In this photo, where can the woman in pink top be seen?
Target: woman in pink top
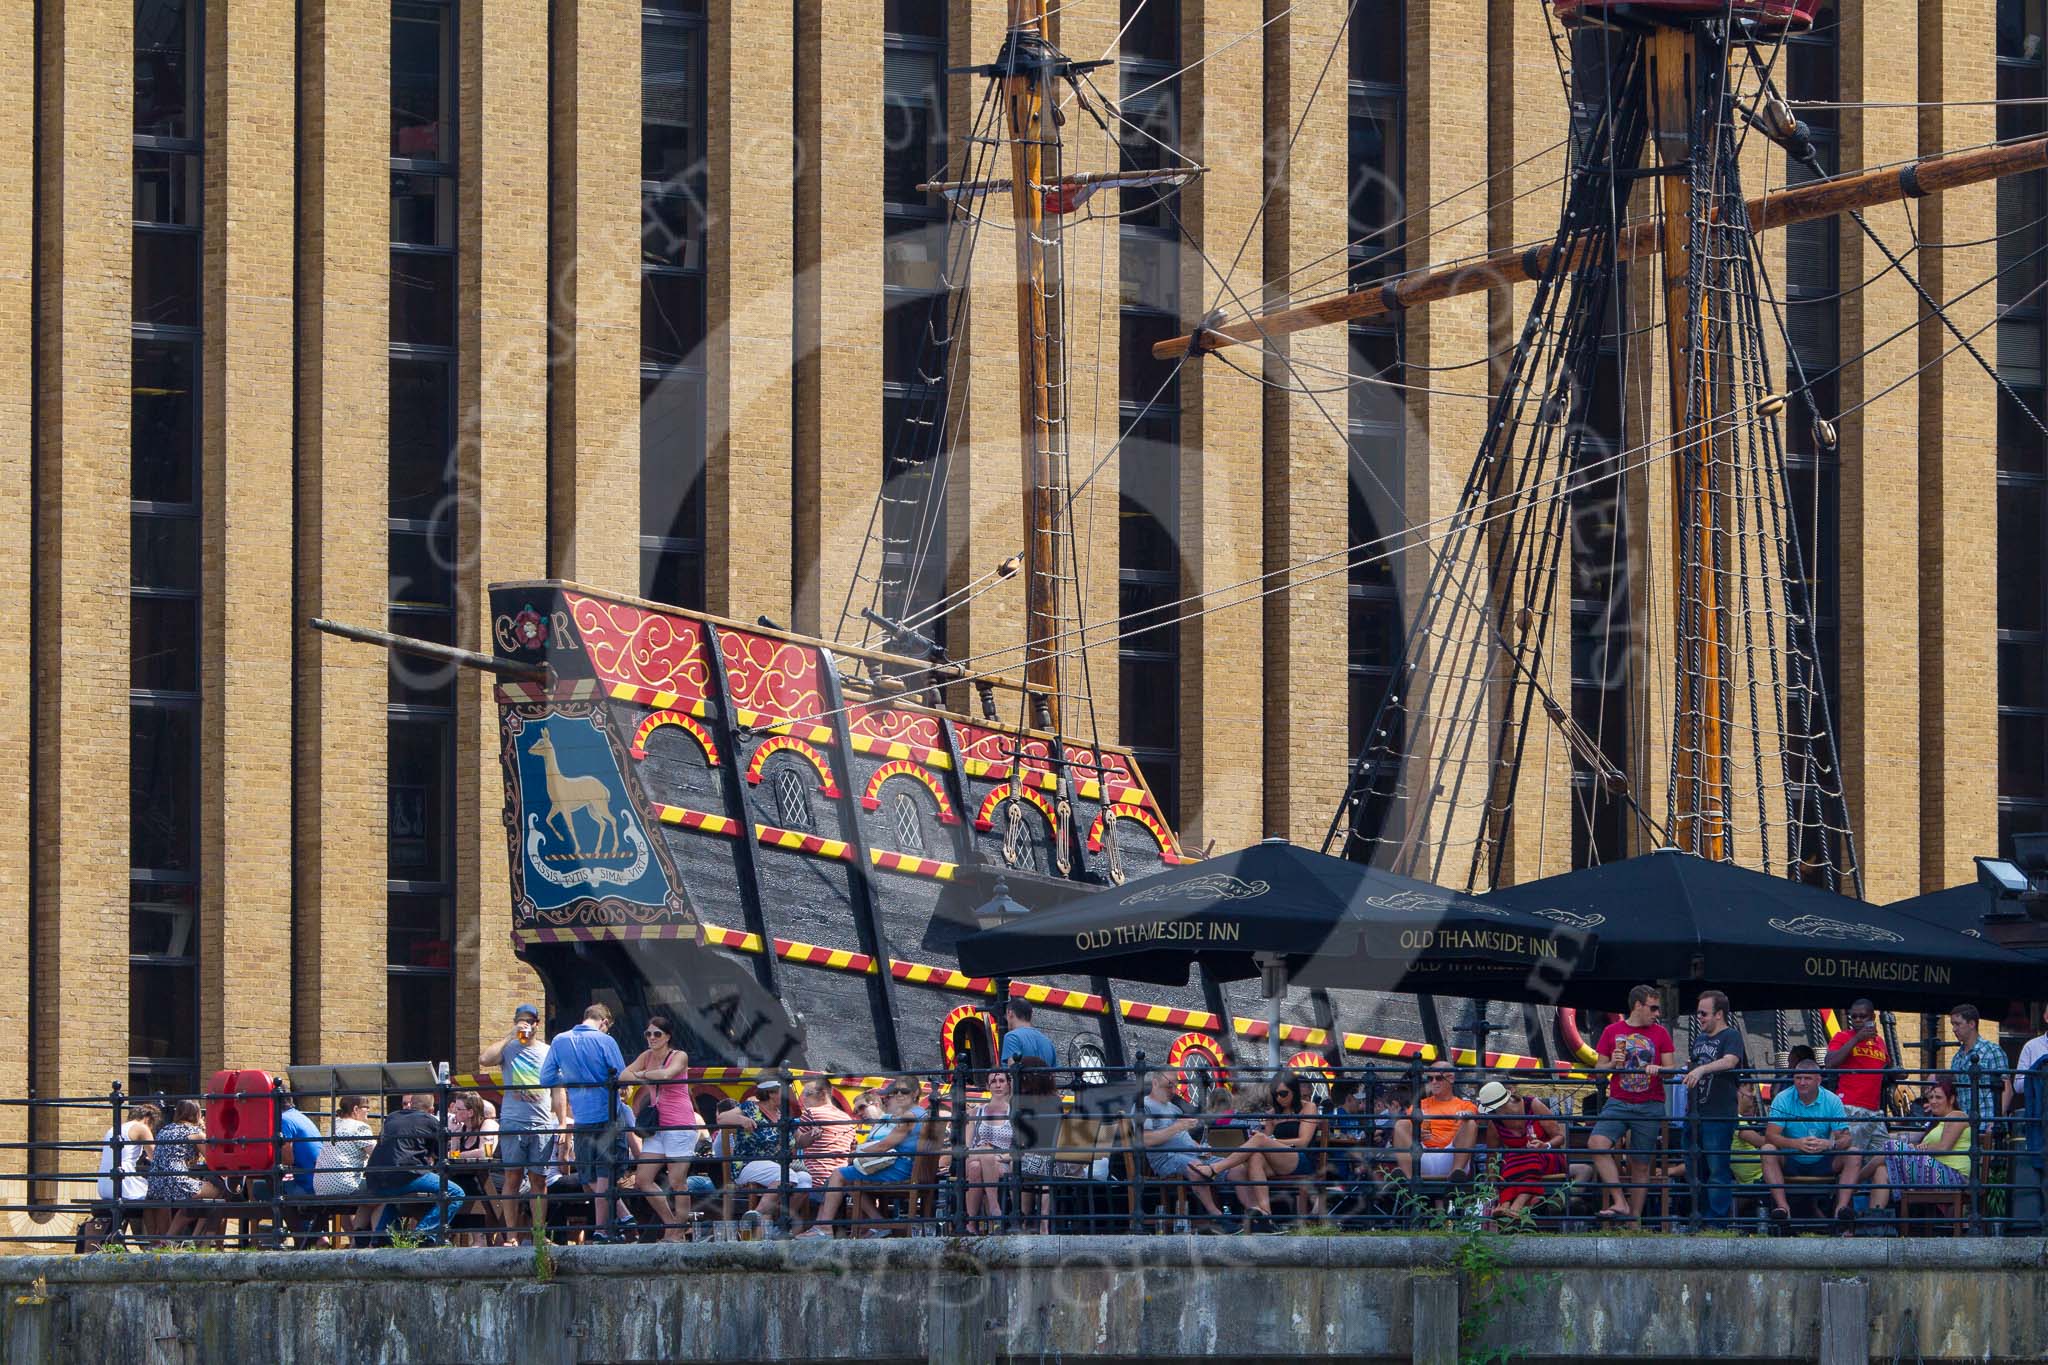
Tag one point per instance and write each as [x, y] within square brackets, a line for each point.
[662, 1069]
[826, 1133]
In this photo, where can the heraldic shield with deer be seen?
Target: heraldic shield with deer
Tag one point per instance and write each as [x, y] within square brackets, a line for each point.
[581, 852]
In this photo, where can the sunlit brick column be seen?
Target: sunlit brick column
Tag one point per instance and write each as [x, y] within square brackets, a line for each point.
[17, 427]
[1958, 464]
[1447, 163]
[984, 523]
[342, 419]
[748, 355]
[502, 462]
[1529, 116]
[1881, 477]
[245, 887]
[1221, 719]
[1307, 456]
[839, 436]
[593, 492]
[80, 907]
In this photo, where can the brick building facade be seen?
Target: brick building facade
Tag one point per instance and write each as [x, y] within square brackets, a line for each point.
[359, 341]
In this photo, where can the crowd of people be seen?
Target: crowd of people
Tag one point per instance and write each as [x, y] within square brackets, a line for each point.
[624, 1149]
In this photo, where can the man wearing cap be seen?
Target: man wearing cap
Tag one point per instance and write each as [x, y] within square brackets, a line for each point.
[760, 1151]
[526, 1140]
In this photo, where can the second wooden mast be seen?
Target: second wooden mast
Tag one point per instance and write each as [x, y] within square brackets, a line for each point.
[1028, 68]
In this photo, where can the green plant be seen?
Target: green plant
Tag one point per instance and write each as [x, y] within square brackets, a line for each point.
[404, 1238]
[543, 1255]
[1489, 1293]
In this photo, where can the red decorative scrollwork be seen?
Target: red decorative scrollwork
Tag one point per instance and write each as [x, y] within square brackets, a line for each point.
[890, 722]
[770, 675]
[643, 648]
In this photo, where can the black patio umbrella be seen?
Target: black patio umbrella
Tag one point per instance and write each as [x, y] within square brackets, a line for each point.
[1325, 921]
[1961, 908]
[1769, 942]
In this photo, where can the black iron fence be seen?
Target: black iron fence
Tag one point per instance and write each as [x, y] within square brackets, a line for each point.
[1029, 1150]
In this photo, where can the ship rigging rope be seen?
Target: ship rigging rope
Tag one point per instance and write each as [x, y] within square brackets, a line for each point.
[1397, 542]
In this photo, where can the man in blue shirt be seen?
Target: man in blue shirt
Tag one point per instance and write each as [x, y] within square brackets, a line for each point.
[1022, 1040]
[581, 1069]
[1808, 1135]
[298, 1152]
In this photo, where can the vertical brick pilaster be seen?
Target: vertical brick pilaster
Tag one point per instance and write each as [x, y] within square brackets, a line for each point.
[1307, 458]
[80, 908]
[838, 267]
[593, 494]
[1447, 156]
[1880, 720]
[17, 437]
[985, 524]
[502, 458]
[747, 478]
[1221, 502]
[1958, 451]
[246, 603]
[344, 302]
[1528, 113]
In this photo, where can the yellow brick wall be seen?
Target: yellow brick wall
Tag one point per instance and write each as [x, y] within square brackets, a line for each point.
[593, 449]
[339, 727]
[501, 453]
[80, 906]
[293, 818]
[246, 483]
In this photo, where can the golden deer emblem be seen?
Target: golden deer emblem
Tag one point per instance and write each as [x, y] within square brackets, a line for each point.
[567, 795]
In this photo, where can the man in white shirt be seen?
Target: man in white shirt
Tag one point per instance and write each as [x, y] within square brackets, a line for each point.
[2031, 1053]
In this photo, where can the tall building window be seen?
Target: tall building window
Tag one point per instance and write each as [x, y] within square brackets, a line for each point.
[163, 604]
[673, 186]
[1148, 461]
[1599, 605]
[2022, 452]
[916, 303]
[420, 709]
[1812, 290]
[1377, 417]
[1597, 542]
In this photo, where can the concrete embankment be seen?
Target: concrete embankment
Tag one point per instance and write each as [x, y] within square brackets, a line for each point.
[1392, 1298]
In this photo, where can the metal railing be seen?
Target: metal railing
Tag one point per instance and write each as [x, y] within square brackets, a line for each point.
[1110, 1150]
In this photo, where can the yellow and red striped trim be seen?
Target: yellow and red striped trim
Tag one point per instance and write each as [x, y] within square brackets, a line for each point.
[808, 731]
[896, 748]
[1090, 789]
[688, 724]
[985, 818]
[697, 819]
[659, 700]
[776, 837]
[871, 797]
[790, 744]
[1169, 851]
[1080, 1002]
[892, 861]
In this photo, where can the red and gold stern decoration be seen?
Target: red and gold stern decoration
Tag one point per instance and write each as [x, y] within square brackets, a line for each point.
[688, 724]
[948, 1049]
[791, 744]
[1196, 1045]
[871, 799]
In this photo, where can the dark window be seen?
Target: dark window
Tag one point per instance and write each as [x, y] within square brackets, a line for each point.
[792, 798]
[420, 710]
[918, 315]
[2022, 451]
[909, 827]
[673, 309]
[1377, 430]
[164, 555]
[1149, 585]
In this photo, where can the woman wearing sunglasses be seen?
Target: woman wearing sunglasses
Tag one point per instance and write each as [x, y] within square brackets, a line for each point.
[1275, 1150]
[884, 1159]
[663, 1070]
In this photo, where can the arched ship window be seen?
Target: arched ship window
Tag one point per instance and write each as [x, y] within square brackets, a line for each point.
[909, 827]
[791, 799]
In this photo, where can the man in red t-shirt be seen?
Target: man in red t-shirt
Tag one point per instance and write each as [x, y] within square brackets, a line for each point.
[1856, 1062]
[1635, 1052]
